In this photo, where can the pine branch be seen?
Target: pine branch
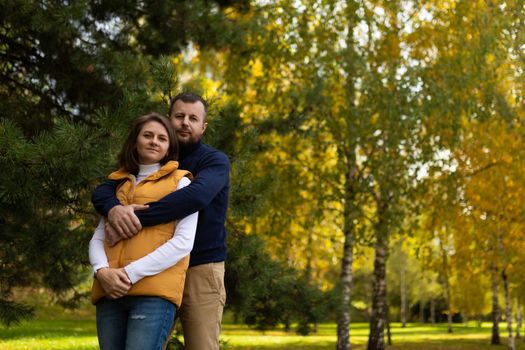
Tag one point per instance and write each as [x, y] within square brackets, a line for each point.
[13, 313]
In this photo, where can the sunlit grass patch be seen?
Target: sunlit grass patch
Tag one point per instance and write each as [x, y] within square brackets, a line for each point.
[414, 336]
[50, 334]
[69, 334]
[463, 337]
[56, 343]
[242, 337]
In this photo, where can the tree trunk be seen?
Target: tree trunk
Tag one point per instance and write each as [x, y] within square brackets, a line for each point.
[518, 320]
[347, 150]
[508, 311]
[446, 285]
[308, 269]
[343, 322]
[343, 319]
[421, 311]
[449, 313]
[377, 321]
[495, 309]
[403, 291]
[388, 333]
[287, 323]
[433, 312]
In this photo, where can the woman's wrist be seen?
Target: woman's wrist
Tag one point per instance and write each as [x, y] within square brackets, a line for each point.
[99, 270]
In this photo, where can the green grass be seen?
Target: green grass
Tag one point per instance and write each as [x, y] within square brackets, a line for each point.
[69, 334]
[414, 336]
[50, 335]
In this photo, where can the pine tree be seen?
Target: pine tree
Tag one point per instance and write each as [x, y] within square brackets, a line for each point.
[73, 75]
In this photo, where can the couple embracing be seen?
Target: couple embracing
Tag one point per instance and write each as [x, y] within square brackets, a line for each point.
[168, 198]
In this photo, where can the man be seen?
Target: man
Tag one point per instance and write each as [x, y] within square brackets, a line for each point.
[204, 292]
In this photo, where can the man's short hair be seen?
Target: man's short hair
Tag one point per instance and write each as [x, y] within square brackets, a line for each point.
[189, 97]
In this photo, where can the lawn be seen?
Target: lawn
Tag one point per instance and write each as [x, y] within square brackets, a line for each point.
[69, 334]
[414, 336]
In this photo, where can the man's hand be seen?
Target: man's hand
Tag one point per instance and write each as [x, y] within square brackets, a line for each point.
[115, 282]
[124, 220]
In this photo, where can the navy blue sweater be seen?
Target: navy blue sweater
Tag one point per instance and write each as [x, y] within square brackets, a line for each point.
[207, 194]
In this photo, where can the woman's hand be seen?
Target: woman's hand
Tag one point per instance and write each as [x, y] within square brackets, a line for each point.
[115, 282]
[112, 236]
[123, 219]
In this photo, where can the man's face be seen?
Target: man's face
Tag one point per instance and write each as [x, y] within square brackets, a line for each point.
[188, 120]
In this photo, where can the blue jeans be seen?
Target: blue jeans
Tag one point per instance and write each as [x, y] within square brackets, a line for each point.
[134, 323]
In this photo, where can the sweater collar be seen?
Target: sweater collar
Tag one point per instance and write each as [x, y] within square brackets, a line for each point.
[186, 150]
[147, 169]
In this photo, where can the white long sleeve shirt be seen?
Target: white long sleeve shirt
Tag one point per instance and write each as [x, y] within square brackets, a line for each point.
[165, 256]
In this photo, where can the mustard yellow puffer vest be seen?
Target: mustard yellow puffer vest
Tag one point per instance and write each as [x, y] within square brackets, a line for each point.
[168, 284]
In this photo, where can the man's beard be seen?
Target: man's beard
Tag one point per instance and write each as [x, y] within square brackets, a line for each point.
[187, 143]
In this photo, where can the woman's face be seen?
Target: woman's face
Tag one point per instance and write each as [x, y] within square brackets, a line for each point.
[152, 142]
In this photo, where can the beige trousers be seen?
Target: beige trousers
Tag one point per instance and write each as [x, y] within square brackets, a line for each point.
[202, 305]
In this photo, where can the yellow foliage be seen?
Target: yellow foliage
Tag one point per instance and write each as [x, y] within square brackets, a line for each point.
[507, 158]
[257, 68]
[489, 58]
[304, 230]
[176, 59]
[374, 118]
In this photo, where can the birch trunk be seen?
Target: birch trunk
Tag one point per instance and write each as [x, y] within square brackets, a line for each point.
[495, 309]
[388, 333]
[508, 311]
[377, 321]
[343, 320]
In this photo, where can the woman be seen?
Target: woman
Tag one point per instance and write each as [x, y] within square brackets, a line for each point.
[139, 281]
